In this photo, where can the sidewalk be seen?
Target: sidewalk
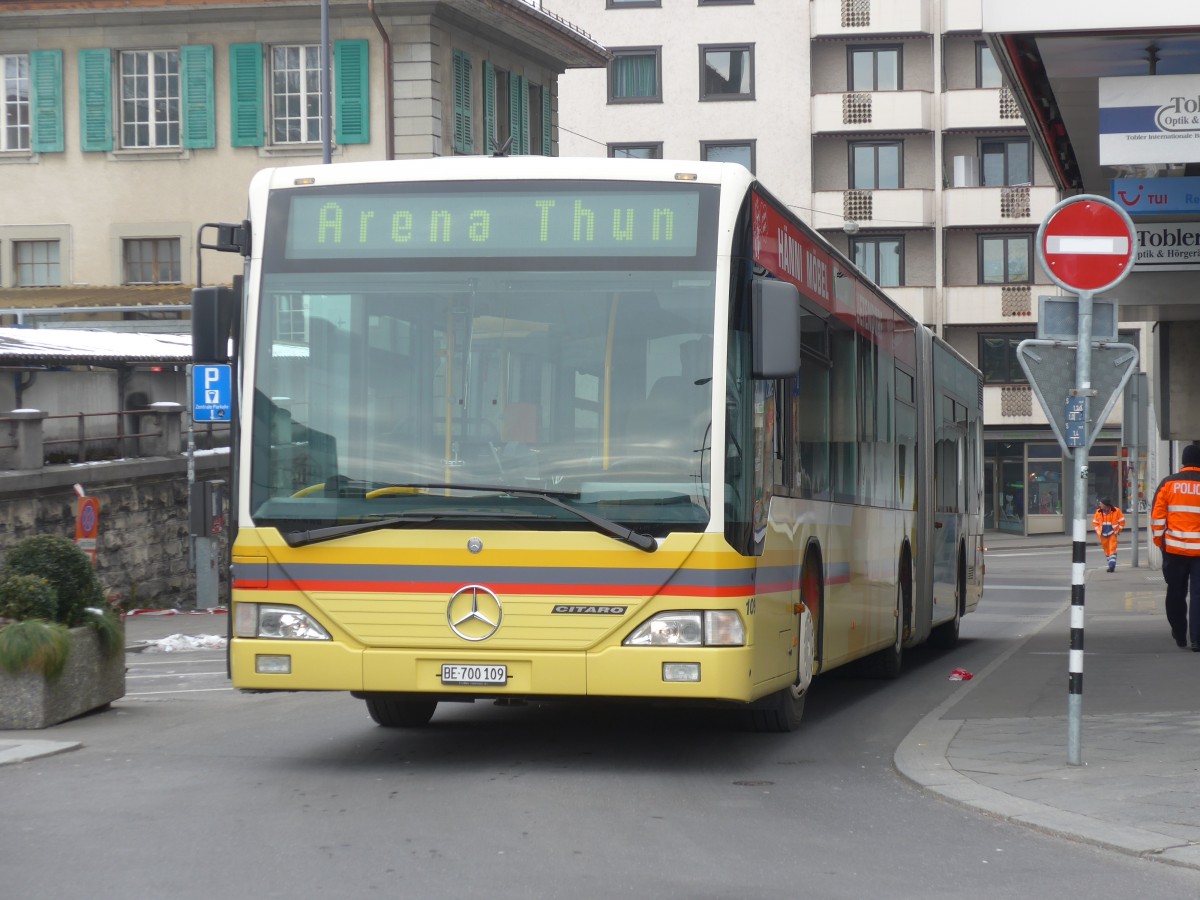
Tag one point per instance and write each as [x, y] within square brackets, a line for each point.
[140, 630]
[1000, 744]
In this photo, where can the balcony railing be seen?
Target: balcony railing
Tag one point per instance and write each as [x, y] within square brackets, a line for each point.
[855, 18]
[1008, 304]
[970, 110]
[892, 208]
[850, 112]
[987, 206]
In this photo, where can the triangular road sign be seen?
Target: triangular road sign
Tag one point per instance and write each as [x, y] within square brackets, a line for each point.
[1050, 368]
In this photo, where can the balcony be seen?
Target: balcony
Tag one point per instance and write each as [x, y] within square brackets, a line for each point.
[866, 112]
[916, 301]
[867, 18]
[976, 110]
[900, 208]
[974, 207]
[1012, 404]
[1015, 404]
[962, 15]
[992, 304]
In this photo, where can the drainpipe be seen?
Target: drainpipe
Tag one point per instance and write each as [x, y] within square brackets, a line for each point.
[389, 138]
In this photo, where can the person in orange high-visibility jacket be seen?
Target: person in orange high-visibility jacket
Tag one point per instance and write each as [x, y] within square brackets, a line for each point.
[1109, 521]
[1175, 527]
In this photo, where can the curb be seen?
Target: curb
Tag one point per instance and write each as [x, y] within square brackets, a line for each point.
[20, 751]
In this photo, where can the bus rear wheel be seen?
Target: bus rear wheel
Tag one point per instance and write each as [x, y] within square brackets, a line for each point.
[400, 713]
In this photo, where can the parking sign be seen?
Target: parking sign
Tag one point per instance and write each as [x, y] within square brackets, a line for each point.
[212, 393]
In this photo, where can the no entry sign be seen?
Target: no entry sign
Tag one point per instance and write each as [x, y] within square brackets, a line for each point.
[1087, 244]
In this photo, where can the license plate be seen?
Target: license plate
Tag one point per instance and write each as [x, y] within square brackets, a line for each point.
[474, 674]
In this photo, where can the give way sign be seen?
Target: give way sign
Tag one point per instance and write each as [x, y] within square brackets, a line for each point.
[1087, 244]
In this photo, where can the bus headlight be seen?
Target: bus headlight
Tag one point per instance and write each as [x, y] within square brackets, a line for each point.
[713, 628]
[270, 620]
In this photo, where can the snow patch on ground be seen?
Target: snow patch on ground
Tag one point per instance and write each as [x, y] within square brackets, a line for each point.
[175, 643]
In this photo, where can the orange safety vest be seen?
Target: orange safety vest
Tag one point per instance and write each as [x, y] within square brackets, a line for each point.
[1175, 517]
[1113, 517]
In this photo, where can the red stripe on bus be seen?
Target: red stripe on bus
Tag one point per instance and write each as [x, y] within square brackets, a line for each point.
[578, 590]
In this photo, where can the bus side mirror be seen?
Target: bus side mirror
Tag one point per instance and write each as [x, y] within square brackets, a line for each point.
[776, 311]
[212, 323]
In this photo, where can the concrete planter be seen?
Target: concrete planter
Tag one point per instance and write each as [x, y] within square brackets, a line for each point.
[89, 681]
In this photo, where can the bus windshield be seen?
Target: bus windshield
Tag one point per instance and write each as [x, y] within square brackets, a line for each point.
[571, 359]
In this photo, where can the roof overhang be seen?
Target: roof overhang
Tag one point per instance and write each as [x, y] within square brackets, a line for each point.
[1054, 55]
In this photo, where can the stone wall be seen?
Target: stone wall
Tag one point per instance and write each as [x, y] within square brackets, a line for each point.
[143, 549]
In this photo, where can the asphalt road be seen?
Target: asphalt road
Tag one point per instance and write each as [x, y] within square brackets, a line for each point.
[187, 789]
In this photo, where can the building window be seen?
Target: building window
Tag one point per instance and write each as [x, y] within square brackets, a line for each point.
[1005, 161]
[291, 323]
[150, 98]
[296, 94]
[464, 134]
[151, 261]
[875, 165]
[635, 151]
[625, 4]
[1004, 258]
[998, 357]
[635, 75]
[15, 99]
[728, 151]
[987, 73]
[880, 258]
[727, 73]
[36, 263]
[875, 68]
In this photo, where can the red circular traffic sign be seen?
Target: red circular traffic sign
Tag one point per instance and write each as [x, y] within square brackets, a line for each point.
[1087, 244]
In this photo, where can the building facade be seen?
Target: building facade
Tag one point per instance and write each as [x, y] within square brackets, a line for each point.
[887, 125]
[127, 127]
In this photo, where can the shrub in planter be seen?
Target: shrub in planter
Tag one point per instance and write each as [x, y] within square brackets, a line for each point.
[34, 646]
[65, 566]
[47, 586]
[27, 597]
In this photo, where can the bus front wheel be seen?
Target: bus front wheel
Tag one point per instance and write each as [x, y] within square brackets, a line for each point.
[783, 710]
[400, 713]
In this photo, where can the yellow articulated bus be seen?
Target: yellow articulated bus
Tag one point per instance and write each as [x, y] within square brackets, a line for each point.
[536, 428]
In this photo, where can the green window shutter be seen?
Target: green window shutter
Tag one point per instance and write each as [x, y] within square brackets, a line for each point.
[246, 95]
[516, 124]
[489, 107]
[353, 83]
[547, 125]
[45, 79]
[464, 138]
[95, 100]
[196, 80]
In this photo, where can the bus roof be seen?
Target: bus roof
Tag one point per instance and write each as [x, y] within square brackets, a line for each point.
[467, 168]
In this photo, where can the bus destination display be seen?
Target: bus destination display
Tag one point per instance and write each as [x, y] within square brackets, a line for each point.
[494, 224]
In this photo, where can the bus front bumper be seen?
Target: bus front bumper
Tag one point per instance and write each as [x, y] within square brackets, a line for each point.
[698, 673]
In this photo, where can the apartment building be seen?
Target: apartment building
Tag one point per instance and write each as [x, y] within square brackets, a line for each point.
[886, 125]
[128, 126]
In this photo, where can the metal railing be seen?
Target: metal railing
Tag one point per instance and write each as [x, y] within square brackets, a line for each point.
[97, 436]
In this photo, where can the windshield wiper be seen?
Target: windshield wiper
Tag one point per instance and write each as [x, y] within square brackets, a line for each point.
[316, 535]
[637, 539]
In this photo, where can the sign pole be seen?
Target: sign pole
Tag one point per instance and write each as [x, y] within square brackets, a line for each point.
[1087, 244]
[1083, 385]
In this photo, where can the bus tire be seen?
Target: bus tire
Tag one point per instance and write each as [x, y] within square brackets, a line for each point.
[886, 663]
[945, 636]
[400, 713]
[778, 713]
[782, 711]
